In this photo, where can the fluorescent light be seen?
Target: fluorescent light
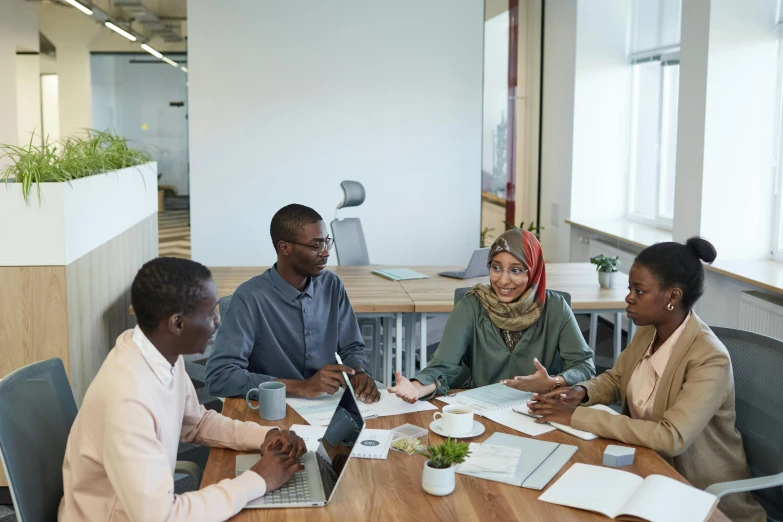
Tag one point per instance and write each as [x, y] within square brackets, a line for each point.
[152, 51]
[170, 62]
[118, 30]
[184, 69]
[80, 7]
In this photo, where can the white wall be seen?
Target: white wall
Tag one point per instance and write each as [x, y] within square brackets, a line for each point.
[599, 184]
[289, 99]
[131, 95]
[28, 94]
[739, 148]
[557, 134]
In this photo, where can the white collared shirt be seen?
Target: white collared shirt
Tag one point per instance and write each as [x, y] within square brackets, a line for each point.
[162, 369]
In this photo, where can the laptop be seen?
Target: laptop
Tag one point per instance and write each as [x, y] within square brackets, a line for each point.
[315, 485]
[476, 268]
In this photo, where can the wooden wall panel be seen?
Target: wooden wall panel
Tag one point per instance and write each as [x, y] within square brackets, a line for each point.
[99, 296]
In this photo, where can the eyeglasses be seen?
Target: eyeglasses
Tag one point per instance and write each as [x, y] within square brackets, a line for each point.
[323, 246]
[513, 273]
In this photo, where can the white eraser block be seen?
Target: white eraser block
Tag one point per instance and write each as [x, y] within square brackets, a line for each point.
[617, 456]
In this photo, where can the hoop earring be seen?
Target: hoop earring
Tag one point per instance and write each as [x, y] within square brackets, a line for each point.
[670, 307]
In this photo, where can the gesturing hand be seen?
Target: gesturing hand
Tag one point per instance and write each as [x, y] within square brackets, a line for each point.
[539, 382]
[365, 389]
[404, 389]
[286, 442]
[326, 380]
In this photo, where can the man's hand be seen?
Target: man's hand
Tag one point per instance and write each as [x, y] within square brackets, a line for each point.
[276, 469]
[365, 389]
[326, 380]
[284, 441]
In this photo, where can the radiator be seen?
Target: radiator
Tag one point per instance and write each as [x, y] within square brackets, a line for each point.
[761, 313]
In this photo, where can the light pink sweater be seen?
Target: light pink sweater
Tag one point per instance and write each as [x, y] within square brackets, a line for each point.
[122, 449]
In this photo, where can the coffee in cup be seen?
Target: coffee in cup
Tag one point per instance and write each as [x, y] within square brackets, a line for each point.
[455, 419]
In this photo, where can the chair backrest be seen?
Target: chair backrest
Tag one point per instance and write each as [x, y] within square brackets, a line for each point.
[757, 362]
[557, 361]
[37, 411]
[223, 304]
[349, 242]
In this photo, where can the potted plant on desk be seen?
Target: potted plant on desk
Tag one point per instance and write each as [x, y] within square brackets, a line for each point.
[606, 268]
[438, 475]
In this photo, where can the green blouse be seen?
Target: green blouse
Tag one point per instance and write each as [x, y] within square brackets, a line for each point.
[473, 347]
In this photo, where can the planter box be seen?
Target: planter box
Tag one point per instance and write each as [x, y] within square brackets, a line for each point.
[73, 218]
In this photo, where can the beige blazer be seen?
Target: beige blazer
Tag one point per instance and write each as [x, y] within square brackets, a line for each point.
[693, 416]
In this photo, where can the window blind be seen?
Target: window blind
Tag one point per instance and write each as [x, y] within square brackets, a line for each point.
[779, 13]
[655, 25]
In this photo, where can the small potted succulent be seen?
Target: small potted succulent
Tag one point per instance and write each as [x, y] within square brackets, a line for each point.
[438, 475]
[606, 268]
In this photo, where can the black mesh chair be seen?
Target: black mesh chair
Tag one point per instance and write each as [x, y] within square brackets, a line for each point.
[757, 362]
[37, 410]
[464, 376]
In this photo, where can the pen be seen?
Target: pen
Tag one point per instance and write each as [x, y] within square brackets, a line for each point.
[345, 375]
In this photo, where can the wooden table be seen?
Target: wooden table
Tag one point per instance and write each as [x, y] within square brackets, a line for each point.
[391, 489]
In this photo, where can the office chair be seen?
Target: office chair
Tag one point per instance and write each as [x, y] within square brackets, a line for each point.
[757, 361]
[349, 243]
[464, 376]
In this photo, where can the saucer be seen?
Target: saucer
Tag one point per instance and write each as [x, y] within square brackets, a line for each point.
[477, 430]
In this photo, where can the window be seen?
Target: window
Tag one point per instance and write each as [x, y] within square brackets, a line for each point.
[777, 240]
[655, 70]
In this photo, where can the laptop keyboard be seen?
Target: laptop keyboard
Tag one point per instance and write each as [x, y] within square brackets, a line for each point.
[294, 491]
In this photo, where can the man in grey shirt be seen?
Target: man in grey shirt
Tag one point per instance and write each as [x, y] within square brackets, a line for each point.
[287, 323]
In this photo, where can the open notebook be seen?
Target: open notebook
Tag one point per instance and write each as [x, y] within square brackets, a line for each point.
[625, 496]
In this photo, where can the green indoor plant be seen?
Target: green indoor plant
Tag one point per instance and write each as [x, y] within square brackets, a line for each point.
[70, 158]
[438, 475]
[606, 268]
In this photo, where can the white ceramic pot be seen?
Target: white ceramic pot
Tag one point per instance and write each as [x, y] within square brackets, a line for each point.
[606, 279]
[436, 481]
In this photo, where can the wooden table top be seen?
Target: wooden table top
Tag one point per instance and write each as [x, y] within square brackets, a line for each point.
[436, 294]
[391, 489]
[368, 293]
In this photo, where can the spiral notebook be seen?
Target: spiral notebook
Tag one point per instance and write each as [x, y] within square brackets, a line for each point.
[373, 444]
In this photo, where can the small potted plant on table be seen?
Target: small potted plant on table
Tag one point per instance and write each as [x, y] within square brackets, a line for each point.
[606, 268]
[438, 475]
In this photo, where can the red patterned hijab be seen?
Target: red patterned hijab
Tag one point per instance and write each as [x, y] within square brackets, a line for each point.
[526, 310]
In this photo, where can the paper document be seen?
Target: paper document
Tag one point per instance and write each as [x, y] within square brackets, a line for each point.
[584, 435]
[487, 458]
[311, 435]
[318, 412]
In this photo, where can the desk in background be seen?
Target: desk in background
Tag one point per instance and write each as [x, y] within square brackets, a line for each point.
[391, 489]
[406, 302]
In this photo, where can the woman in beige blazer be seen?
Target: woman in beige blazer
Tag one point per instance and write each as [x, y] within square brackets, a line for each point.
[674, 380]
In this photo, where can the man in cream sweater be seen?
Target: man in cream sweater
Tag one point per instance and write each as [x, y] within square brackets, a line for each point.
[122, 448]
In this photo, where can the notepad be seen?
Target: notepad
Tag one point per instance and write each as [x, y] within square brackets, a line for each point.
[489, 458]
[616, 493]
[373, 444]
[584, 435]
[399, 274]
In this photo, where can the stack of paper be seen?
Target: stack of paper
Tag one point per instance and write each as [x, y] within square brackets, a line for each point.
[487, 458]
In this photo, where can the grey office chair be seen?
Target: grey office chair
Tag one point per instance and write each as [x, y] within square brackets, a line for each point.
[350, 247]
[37, 410]
[757, 361]
[464, 376]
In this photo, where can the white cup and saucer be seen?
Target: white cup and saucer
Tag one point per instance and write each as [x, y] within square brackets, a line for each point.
[456, 421]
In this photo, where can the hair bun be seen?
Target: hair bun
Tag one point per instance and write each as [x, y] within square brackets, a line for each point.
[703, 249]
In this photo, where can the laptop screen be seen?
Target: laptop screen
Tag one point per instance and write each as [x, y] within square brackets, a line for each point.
[338, 442]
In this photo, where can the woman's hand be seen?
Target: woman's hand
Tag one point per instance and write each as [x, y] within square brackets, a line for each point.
[539, 382]
[572, 396]
[404, 389]
[551, 409]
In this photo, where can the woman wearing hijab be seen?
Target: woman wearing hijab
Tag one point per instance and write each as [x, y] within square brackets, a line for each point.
[512, 331]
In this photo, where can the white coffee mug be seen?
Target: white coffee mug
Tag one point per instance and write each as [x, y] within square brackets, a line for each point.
[455, 419]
